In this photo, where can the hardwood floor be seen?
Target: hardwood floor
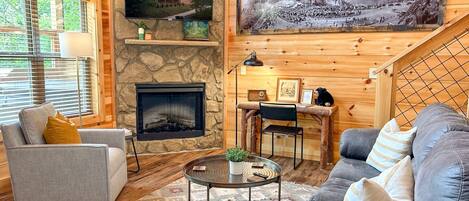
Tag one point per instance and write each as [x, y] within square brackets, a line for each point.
[160, 170]
[157, 171]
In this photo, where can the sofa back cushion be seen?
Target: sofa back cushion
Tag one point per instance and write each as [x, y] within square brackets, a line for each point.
[33, 122]
[12, 135]
[434, 122]
[444, 174]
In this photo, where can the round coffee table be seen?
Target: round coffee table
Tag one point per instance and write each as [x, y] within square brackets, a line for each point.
[216, 174]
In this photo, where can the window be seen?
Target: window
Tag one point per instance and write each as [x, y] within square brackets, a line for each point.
[31, 70]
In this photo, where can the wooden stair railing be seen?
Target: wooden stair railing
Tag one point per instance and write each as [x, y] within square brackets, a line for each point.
[435, 69]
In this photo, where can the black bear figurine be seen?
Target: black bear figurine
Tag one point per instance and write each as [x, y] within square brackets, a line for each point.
[324, 97]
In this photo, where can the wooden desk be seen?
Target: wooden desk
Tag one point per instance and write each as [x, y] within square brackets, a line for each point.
[323, 114]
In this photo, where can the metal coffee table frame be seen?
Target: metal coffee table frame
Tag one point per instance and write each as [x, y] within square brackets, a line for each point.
[218, 170]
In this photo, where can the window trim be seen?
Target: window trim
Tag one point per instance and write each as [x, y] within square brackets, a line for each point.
[96, 86]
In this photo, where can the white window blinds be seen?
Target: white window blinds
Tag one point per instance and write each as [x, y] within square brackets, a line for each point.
[31, 70]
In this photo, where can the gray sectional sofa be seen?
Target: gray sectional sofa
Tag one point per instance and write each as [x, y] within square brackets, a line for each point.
[440, 158]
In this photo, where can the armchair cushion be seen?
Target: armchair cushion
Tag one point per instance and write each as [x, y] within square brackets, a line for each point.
[12, 135]
[116, 160]
[111, 137]
[33, 122]
[356, 143]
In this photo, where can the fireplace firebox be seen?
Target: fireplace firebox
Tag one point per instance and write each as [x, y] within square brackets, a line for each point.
[170, 111]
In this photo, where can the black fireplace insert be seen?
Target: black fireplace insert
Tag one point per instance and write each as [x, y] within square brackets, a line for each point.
[169, 111]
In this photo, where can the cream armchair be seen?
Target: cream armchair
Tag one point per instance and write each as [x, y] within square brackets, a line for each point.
[94, 170]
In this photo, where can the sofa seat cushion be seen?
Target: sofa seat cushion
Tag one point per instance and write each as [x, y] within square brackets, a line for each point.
[444, 174]
[116, 160]
[353, 170]
[333, 189]
[33, 122]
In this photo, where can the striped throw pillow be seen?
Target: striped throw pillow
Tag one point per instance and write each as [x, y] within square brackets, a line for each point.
[391, 146]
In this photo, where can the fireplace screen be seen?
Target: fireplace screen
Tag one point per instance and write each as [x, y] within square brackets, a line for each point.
[168, 111]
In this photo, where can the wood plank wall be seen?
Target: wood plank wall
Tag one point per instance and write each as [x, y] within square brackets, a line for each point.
[338, 61]
[106, 115]
[107, 63]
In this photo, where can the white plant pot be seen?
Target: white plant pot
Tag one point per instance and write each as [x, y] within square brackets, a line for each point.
[236, 168]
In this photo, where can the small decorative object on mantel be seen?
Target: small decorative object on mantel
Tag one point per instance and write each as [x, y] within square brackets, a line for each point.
[236, 157]
[257, 95]
[324, 97]
[141, 30]
[307, 96]
[288, 90]
[148, 35]
[196, 30]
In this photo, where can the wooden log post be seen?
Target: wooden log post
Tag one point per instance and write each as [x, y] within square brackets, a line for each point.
[245, 115]
[255, 124]
[324, 155]
[385, 96]
[244, 130]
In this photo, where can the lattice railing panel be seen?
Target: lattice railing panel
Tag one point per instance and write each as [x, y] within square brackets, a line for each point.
[442, 76]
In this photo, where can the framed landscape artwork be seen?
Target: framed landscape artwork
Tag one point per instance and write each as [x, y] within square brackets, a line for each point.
[302, 16]
[288, 90]
[195, 30]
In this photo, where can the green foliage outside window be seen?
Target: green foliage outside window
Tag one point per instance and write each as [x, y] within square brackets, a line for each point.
[14, 17]
[13, 13]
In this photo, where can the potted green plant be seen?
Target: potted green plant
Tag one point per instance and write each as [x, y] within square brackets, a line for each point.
[236, 157]
[141, 29]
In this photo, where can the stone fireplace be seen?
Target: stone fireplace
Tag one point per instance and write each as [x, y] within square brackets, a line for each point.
[151, 64]
[170, 111]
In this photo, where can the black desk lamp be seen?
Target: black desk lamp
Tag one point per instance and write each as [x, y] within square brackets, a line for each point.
[250, 60]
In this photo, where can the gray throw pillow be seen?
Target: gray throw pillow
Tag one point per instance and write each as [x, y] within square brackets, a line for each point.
[33, 121]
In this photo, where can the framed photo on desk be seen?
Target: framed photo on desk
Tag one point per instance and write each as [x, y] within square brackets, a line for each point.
[307, 96]
[288, 90]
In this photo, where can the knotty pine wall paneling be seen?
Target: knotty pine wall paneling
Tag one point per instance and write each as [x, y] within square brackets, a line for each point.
[339, 62]
[106, 71]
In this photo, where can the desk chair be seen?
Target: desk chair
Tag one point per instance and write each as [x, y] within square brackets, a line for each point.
[280, 112]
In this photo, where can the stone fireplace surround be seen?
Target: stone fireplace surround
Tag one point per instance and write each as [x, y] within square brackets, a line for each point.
[169, 64]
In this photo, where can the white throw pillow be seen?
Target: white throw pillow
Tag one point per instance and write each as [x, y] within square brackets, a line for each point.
[366, 190]
[391, 146]
[398, 180]
[397, 183]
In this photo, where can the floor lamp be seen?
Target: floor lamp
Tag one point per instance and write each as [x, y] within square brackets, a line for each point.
[250, 60]
[76, 45]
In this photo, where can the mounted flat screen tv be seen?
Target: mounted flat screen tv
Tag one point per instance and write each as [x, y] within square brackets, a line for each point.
[169, 9]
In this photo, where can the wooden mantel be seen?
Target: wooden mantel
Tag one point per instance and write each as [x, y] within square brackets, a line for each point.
[172, 42]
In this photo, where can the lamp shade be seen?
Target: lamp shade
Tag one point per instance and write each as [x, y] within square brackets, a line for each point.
[253, 61]
[75, 44]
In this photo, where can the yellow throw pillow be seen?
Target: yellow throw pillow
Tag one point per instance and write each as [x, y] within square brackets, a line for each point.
[63, 118]
[59, 131]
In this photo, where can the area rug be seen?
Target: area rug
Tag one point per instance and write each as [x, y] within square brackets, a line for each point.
[177, 191]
